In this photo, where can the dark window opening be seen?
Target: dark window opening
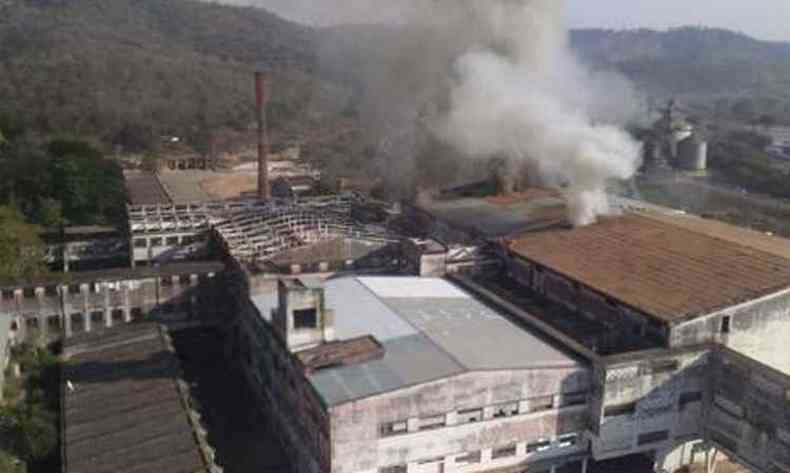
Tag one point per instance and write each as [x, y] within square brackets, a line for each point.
[29, 293]
[506, 410]
[166, 281]
[305, 318]
[140, 243]
[393, 469]
[74, 289]
[51, 290]
[137, 313]
[7, 294]
[391, 428]
[468, 416]
[183, 279]
[156, 242]
[97, 317]
[653, 437]
[172, 241]
[503, 452]
[725, 324]
[689, 397]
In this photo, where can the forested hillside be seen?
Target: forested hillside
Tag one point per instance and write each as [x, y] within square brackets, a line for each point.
[690, 60]
[126, 71]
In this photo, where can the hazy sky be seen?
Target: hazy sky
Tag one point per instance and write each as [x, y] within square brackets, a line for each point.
[764, 19]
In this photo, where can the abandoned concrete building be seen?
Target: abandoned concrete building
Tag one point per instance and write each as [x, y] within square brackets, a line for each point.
[650, 333]
[465, 333]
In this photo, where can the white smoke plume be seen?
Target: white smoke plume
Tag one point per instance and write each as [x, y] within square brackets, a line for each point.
[525, 96]
[508, 86]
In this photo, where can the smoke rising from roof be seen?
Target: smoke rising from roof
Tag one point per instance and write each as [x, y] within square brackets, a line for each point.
[493, 78]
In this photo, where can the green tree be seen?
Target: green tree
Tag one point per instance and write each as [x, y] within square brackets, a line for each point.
[21, 249]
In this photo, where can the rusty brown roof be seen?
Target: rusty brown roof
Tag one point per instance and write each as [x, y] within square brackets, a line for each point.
[668, 270]
[126, 412]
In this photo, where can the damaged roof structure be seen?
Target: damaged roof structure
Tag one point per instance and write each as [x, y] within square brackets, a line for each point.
[124, 408]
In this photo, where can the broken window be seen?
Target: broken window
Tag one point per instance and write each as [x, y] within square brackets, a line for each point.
[725, 324]
[506, 410]
[433, 422]
[689, 397]
[653, 437]
[468, 416]
[305, 318]
[502, 452]
[393, 469]
[388, 429]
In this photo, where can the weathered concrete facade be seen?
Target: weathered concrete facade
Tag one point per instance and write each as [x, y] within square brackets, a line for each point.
[756, 328]
[472, 422]
[91, 301]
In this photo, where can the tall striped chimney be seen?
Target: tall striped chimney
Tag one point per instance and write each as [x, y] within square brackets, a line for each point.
[261, 99]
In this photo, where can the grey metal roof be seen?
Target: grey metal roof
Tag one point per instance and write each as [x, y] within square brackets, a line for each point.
[430, 329]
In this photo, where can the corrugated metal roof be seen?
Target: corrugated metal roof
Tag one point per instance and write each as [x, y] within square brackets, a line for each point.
[662, 266]
[430, 329]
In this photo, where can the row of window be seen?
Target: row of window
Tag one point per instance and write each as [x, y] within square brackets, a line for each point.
[505, 451]
[630, 407]
[167, 241]
[95, 287]
[468, 416]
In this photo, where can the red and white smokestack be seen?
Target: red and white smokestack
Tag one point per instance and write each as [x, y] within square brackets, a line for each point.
[261, 99]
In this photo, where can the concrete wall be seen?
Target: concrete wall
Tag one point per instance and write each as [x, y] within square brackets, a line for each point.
[278, 381]
[749, 417]
[66, 308]
[648, 401]
[359, 446]
[758, 329]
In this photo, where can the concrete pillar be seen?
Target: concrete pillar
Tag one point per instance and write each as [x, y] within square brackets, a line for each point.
[413, 424]
[127, 310]
[584, 465]
[553, 469]
[521, 449]
[107, 312]
[87, 320]
[523, 407]
[451, 418]
[67, 311]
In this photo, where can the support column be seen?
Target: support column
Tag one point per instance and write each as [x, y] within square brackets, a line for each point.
[67, 311]
[107, 306]
[127, 309]
[584, 465]
[87, 314]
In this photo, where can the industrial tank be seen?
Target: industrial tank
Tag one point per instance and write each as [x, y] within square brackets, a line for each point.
[693, 154]
[682, 132]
